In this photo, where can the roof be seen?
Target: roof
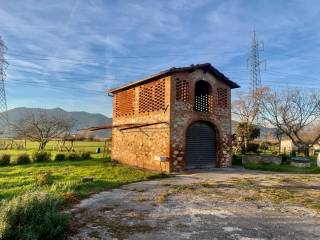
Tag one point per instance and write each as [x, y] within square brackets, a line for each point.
[205, 66]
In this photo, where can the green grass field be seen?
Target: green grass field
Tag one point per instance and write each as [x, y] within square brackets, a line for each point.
[53, 146]
[67, 177]
[60, 183]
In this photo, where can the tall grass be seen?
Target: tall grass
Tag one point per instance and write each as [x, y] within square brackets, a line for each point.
[32, 216]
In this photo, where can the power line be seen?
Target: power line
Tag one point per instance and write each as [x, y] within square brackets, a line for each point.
[57, 87]
[56, 58]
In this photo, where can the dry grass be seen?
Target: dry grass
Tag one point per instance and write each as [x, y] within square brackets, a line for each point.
[303, 191]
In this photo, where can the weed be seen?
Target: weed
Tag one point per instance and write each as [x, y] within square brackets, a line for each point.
[44, 178]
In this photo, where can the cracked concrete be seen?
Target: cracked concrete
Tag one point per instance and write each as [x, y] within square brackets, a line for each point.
[136, 211]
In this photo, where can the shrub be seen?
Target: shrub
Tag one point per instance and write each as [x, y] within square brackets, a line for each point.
[265, 146]
[5, 159]
[60, 157]
[285, 158]
[31, 216]
[107, 159]
[73, 156]
[85, 155]
[44, 178]
[22, 159]
[41, 156]
[236, 160]
[252, 147]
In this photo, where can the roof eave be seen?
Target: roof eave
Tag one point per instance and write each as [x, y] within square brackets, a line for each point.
[207, 66]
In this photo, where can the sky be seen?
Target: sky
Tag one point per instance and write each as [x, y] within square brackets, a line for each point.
[66, 53]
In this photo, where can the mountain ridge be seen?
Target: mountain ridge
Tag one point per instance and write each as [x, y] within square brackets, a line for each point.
[85, 120]
[82, 119]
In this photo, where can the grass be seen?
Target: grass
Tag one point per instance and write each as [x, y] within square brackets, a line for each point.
[66, 181]
[31, 216]
[284, 167]
[52, 146]
[67, 177]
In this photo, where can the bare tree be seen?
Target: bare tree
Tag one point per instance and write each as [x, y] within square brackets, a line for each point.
[247, 110]
[41, 127]
[278, 134]
[292, 112]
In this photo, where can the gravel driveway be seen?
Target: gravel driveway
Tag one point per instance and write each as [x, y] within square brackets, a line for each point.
[220, 204]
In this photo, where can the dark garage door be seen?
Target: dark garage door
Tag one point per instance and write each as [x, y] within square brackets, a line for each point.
[201, 145]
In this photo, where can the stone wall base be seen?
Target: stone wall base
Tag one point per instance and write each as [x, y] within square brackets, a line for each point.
[261, 159]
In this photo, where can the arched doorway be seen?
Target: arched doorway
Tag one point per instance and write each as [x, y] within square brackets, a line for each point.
[201, 145]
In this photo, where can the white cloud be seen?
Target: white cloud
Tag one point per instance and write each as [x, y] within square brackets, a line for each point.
[94, 44]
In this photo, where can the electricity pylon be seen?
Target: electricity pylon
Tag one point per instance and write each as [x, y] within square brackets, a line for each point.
[4, 121]
[255, 63]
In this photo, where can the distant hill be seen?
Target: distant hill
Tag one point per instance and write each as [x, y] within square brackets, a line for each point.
[86, 120]
[83, 119]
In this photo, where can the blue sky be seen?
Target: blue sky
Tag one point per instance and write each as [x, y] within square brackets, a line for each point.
[66, 53]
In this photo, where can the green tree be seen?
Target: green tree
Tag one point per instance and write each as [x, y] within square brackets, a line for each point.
[245, 134]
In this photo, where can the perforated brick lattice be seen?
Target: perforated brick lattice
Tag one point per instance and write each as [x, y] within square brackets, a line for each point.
[124, 103]
[222, 97]
[152, 97]
[182, 90]
[204, 103]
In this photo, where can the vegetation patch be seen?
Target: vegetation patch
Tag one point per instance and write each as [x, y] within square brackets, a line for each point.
[121, 230]
[33, 215]
[44, 178]
[85, 155]
[73, 157]
[163, 197]
[285, 167]
[5, 159]
[60, 157]
[299, 191]
[67, 177]
[31, 194]
[41, 156]
[22, 159]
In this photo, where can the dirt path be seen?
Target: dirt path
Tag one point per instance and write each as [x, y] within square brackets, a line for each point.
[222, 204]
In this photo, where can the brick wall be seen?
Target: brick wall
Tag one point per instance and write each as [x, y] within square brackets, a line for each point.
[170, 99]
[183, 115]
[140, 146]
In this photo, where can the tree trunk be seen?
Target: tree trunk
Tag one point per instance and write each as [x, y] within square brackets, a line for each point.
[279, 149]
[25, 142]
[245, 145]
[306, 151]
[42, 146]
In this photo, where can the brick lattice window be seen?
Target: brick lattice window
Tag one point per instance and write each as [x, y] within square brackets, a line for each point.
[204, 103]
[203, 97]
[124, 103]
[182, 90]
[222, 96]
[152, 97]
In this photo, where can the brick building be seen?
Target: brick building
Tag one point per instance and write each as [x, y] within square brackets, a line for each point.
[174, 120]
